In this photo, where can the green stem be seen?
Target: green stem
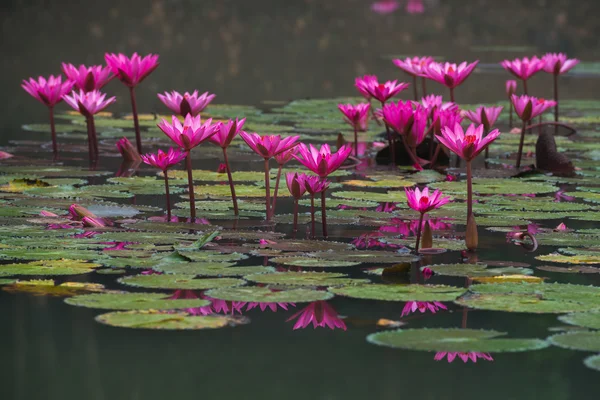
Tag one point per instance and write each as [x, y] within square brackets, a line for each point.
[276, 189]
[520, 153]
[231, 186]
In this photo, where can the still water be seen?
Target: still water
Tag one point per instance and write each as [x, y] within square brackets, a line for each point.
[246, 53]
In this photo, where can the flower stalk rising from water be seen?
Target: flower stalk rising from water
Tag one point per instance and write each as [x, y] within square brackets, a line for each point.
[358, 117]
[297, 187]
[557, 64]
[423, 202]
[281, 159]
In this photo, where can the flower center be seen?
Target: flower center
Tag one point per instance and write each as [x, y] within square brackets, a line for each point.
[470, 139]
[424, 200]
[541, 100]
[450, 70]
[381, 86]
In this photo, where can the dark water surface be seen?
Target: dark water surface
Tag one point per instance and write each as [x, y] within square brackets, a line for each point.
[247, 52]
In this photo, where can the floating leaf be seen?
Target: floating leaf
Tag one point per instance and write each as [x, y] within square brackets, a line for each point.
[579, 259]
[593, 362]
[376, 257]
[174, 281]
[574, 269]
[168, 321]
[211, 269]
[312, 262]
[589, 320]
[304, 279]
[476, 270]
[578, 340]
[49, 268]
[134, 301]
[400, 292]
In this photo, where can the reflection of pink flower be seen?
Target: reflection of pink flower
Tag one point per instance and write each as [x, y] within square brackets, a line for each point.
[271, 306]
[561, 196]
[517, 232]
[422, 306]
[319, 313]
[473, 356]
[415, 7]
[386, 207]
[385, 6]
[371, 240]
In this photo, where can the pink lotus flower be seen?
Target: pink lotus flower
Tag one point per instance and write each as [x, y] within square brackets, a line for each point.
[523, 68]
[94, 222]
[469, 144]
[164, 161]
[427, 273]
[285, 156]
[511, 87]
[88, 103]
[486, 116]
[385, 91]
[422, 306]
[295, 184]
[187, 103]
[319, 313]
[271, 306]
[433, 102]
[527, 108]
[399, 116]
[4, 155]
[322, 161]
[450, 74]
[415, 7]
[78, 212]
[414, 66]
[268, 146]
[315, 184]
[226, 132]
[88, 78]
[363, 82]
[422, 202]
[473, 356]
[558, 64]
[561, 227]
[131, 71]
[385, 6]
[446, 118]
[191, 133]
[417, 132]
[127, 150]
[356, 115]
[48, 92]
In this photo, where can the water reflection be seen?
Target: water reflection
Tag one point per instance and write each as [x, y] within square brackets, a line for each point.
[465, 357]
[319, 314]
[422, 306]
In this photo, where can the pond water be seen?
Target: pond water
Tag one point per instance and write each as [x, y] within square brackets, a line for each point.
[261, 55]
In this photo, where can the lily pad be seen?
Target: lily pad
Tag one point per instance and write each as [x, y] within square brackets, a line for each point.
[168, 321]
[318, 279]
[312, 262]
[400, 292]
[175, 281]
[210, 269]
[593, 362]
[134, 301]
[578, 340]
[589, 320]
[48, 268]
[476, 270]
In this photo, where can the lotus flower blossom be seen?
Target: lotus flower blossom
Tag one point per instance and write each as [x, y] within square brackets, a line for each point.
[295, 184]
[385, 91]
[485, 116]
[356, 115]
[465, 357]
[319, 313]
[128, 150]
[385, 6]
[417, 132]
[88, 78]
[187, 103]
[558, 63]
[226, 132]
[527, 108]
[422, 202]
[48, 92]
[413, 66]
[88, 103]
[164, 161]
[450, 74]
[363, 82]
[189, 135]
[322, 161]
[315, 184]
[469, 144]
[268, 146]
[285, 156]
[433, 102]
[415, 7]
[399, 116]
[561, 196]
[448, 117]
[422, 306]
[523, 68]
[131, 70]
[511, 87]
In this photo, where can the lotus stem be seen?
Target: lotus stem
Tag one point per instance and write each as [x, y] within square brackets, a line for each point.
[408, 149]
[312, 215]
[231, 186]
[355, 142]
[136, 123]
[452, 94]
[521, 144]
[94, 137]
[276, 188]
[438, 148]
[487, 148]
[419, 233]
[525, 86]
[268, 190]
[167, 195]
[556, 97]
[188, 165]
[89, 133]
[295, 215]
[390, 143]
[424, 86]
[323, 214]
[510, 113]
[53, 134]
[415, 93]
[469, 188]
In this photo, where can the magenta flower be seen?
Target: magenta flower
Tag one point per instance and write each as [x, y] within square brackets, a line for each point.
[164, 161]
[356, 115]
[467, 145]
[385, 6]
[415, 7]
[385, 91]
[422, 202]
[561, 196]
[523, 68]
[315, 184]
[399, 116]
[433, 102]
[473, 356]
[511, 87]
[187, 103]
[527, 108]
[557, 64]
[363, 82]
[88, 78]
[128, 150]
[414, 66]
[448, 117]
[319, 313]
[450, 74]
[322, 161]
[271, 306]
[48, 92]
[192, 133]
[485, 116]
[295, 184]
[88, 103]
[417, 132]
[422, 306]
[281, 159]
[132, 71]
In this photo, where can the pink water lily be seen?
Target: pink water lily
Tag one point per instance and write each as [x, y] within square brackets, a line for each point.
[422, 306]
[319, 314]
[49, 92]
[322, 161]
[511, 87]
[414, 7]
[469, 144]
[164, 161]
[433, 102]
[450, 74]
[399, 116]
[385, 91]
[523, 68]
[297, 187]
[131, 71]
[315, 185]
[363, 82]
[385, 6]
[485, 116]
[184, 104]
[528, 107]
[88, 78]
[465, 357]
[358, 117]
[281, 159]
[558, 64]
[128, 150]
[413, 66]
[424, 202]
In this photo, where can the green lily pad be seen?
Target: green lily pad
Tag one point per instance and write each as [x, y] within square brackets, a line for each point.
[589, 320]
[311, 262]
[578, 259]
[375, 257]
[453, 340]
[400, 292]
[210, 269]
[258, 294]
[593, 362]
[48, 268]
[47, 254]
[304, 279]
[476, 270]
[578, 340]
[167, 321]
[174, 281]
[134, 301]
